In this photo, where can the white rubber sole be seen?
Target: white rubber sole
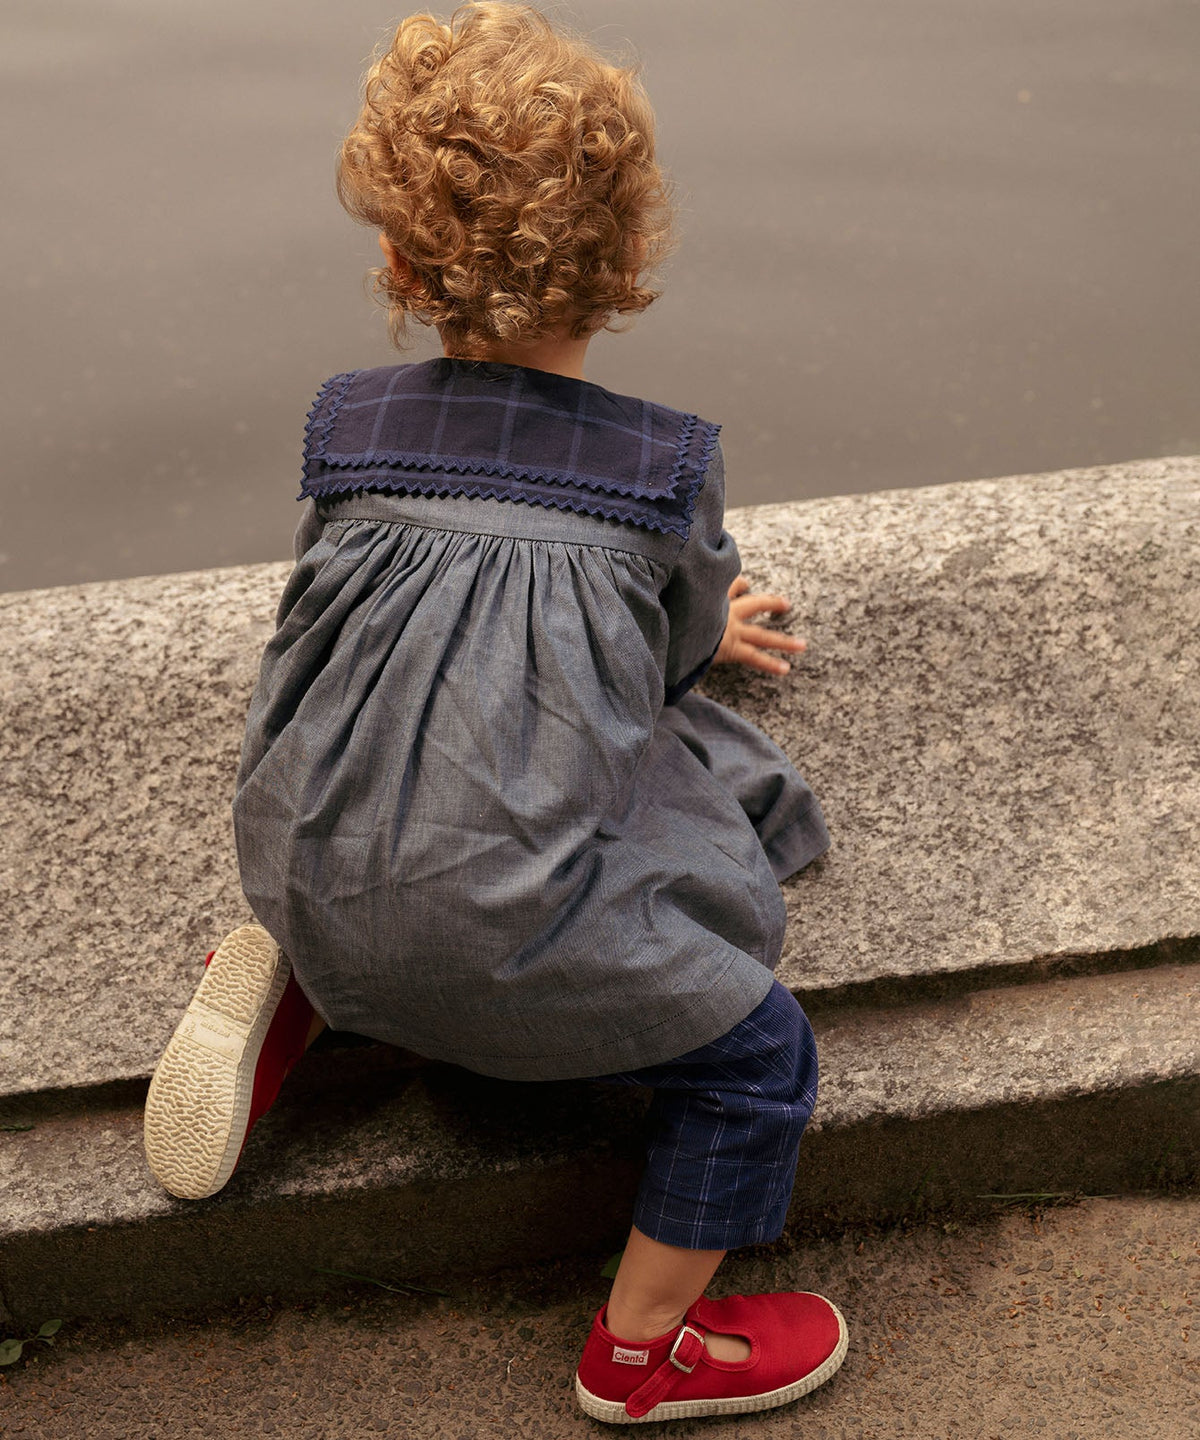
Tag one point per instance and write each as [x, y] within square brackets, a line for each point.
[612, 1412]
[198, 1105]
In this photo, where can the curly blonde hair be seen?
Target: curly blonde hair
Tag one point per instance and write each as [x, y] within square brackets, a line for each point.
[513, 169]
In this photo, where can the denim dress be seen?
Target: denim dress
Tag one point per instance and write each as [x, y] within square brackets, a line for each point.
[478, 804]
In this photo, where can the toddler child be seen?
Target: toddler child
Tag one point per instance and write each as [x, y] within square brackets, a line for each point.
[480, 812]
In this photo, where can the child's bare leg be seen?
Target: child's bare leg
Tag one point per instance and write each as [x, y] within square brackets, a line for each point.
[656, 1285]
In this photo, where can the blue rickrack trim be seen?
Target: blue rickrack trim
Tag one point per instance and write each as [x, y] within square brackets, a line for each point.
[498, 469]
[709, 431]
[682, 456]
[610, 510]
[318, 426]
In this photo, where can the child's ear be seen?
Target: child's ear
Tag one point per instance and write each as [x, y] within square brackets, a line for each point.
[396, 263]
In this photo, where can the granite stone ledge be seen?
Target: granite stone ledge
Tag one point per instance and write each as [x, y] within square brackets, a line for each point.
[997, 710]
[366, 1162]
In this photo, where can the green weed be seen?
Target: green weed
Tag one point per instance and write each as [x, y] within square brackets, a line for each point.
[10, 1350]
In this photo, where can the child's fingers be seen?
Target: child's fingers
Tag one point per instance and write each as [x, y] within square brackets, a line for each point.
[770, 639]
[743, 605]
[739, 587]
[750, 643]
[755, 659]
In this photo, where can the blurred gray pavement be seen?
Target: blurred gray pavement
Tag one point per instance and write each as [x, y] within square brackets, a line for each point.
[925, 242]
[1073, 1323]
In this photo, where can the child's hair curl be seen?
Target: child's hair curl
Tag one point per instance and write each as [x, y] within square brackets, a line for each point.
[513, 170]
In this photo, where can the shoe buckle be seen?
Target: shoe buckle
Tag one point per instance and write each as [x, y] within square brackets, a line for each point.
[698, 1337]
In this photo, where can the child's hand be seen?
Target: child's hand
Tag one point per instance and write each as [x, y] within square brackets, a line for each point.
[744, 643]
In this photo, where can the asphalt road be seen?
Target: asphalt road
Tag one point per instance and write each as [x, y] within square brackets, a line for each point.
[1073, 1324]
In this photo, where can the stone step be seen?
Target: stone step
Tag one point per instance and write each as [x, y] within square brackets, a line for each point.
[372, 1164]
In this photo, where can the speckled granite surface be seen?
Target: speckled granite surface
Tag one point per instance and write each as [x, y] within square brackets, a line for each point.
[121, 712]
[997, 709]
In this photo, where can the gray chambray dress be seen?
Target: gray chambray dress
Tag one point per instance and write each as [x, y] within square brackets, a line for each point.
[477, 805]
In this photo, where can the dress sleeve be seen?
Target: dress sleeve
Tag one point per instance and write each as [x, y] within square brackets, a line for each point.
[308, 532]
[696, 597]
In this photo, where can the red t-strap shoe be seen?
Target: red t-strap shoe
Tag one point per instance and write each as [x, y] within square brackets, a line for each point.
[797, 1341]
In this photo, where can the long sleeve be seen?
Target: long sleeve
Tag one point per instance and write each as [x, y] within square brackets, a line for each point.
[308, 532]
[696, 597]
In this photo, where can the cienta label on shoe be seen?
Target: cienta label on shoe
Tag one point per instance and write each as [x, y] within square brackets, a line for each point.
[621, 1356]
[215, 1032]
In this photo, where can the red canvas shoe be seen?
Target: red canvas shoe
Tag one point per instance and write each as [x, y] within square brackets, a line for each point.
[246, 1027]
[797, 1341]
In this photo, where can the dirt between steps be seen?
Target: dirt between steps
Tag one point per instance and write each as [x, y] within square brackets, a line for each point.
[1072, 1321]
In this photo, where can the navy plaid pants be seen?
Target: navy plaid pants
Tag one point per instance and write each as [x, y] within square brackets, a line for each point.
[726, 1122]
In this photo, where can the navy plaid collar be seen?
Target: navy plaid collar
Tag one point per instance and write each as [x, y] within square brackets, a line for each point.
[463, 427]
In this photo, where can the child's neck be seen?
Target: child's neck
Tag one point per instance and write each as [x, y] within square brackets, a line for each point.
[559, 355]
